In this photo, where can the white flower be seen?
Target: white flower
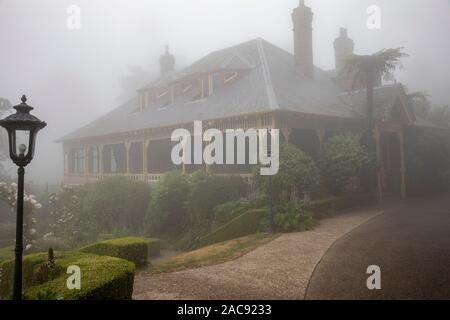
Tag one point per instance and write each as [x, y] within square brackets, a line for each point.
[47, 235]
[28, 247]
[38, 206]
[33, 231]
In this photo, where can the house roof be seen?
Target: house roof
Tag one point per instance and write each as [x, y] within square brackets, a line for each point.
[385, 99]
[268, 81]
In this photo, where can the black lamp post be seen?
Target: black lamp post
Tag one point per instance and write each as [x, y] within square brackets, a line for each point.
[22, 129]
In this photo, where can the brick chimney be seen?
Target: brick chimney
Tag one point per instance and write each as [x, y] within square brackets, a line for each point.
[167, 62]
[303, 47]
[343, 47]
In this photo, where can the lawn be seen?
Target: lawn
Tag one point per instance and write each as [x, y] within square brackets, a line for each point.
[213, 254]
[6, 253]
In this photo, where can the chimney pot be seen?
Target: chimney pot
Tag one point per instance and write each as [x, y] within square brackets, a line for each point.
[167, 62]
[302, 17]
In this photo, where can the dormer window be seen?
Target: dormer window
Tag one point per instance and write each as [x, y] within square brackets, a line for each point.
[187, 88]
[163, 93]
[229, 76]
[207, 86]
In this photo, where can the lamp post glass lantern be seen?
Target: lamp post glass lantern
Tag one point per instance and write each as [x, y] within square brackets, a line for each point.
[22, 129]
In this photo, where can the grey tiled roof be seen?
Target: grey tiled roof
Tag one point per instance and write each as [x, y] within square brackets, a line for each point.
[268, 81]
[384, 99]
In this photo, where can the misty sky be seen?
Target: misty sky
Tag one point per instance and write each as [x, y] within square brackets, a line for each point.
[72, 77]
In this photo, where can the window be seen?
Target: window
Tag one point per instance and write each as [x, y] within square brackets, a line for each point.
[79, 160]
[95, 160]
[114, 166]
[207, 86]
[66, 163]
[187, 88]
[163, 93]
[229, 76]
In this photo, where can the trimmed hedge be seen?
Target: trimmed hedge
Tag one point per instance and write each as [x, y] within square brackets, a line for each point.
[243, 225]
[324, 207]
[250, 221]
[130, 248]
[154, 247]
[102, 278]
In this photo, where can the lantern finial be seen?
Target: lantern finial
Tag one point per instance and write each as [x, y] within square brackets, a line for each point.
[24, 99]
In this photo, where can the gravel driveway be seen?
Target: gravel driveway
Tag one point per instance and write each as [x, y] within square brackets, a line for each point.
[280, 269]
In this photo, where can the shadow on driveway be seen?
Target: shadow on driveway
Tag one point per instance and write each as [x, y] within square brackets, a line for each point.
[411, 245]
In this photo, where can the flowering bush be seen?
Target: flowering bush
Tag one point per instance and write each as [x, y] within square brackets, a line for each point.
[115, 206]
[8, 193]
[66, 221]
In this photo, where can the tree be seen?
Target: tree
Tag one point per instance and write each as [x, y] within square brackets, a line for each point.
[440, 115]
[5, 106]
[420, 103]
[342, 158]
[297, 170]
[369, 68]
[135, 77]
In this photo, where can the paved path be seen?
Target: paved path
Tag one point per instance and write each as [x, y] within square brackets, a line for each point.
[280, 269]
[411, 245]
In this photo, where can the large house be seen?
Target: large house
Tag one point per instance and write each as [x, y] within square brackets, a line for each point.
[251, 85]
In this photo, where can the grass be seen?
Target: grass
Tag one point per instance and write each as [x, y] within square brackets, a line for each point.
[6, 253]
[213, 254]
[247, 223]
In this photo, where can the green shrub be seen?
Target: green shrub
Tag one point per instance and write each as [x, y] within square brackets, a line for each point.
[207, 191]
[294, 218]
[326, 206]
[114, 205]
[130, 248]
[167, 214]
[7, 231]
[117, 205]
[101, 277]
[43, 244]
[227, 211]
[297, 169]
[342, 157]
[245, 224]
[67, 219]
[331, 205]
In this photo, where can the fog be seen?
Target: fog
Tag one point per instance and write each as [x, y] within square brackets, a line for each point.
[72, 77]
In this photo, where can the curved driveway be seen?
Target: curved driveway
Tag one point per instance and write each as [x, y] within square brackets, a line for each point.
[411, 245]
